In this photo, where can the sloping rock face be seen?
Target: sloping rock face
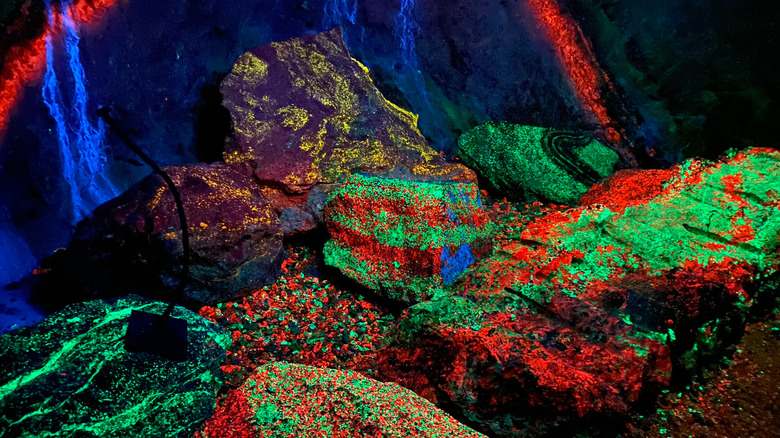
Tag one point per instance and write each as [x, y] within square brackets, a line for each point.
[133, 243]
[305, 112]
[406, 239]
[682, 261]
[71, 376]
[515, 370]
[289, 400]
[556, 165]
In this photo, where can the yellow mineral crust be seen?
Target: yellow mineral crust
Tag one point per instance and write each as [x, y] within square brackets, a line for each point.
[323, 103]
[294, 117]
[251, 68]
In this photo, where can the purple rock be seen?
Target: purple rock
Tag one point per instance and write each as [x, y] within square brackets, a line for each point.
[133, 243]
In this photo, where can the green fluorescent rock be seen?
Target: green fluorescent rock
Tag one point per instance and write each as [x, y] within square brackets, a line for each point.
[557, 165]
[406, 239]
[291, 400]
[71, 376]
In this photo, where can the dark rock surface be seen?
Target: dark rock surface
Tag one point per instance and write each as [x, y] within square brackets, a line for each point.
[305, 112]
[71, 376]
[406, 239]
[740, 400]
[290, 400]
[556, 165]
[132, 244]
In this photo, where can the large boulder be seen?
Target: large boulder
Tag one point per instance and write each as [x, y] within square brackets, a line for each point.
[71, 376]
[526, 160]
[405, 239]
[290, 400]
[305, 112]
[683, 259]
[133, 243]
[513, 370]
[582, 312]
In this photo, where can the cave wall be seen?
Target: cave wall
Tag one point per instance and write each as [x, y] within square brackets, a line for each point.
[690, 78]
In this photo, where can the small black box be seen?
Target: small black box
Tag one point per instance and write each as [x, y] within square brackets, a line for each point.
[148, 333]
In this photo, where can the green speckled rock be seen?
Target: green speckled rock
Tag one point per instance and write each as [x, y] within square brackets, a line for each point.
[557, 165]
[71, 376]
[405, 239]
[284, 400]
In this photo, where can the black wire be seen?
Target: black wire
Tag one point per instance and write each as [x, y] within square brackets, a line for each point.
[104, 113]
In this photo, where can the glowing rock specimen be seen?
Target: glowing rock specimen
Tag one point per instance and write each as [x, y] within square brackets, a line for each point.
[514, 370]
[407, 239]
[289, 400]
[71, 376]
[305, 112]
[656, 277]
[682, 258]
[132, 244]
[556, 165]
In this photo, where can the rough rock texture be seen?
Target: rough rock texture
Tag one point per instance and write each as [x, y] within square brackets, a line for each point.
[556, 165]
[741, 400]
[71, 376]
[133, 242]
[301, 319]
[289, 400]
[305, 112]
[406, 239]
[607, 303]
[682, 262]
[664, 67]
[513, 370]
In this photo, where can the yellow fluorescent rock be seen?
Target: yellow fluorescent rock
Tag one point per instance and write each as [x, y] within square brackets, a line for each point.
[251, 68]
[293, 117]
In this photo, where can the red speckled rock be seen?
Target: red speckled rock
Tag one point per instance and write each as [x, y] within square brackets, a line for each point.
[297, 401]
[627, 187]
[405, 239]
[516, 372]
[133, 242]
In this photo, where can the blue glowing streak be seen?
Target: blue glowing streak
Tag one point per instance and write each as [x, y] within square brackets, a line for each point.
[81, 144]
[454, 264]
[89, 139]
[405, 28]
[53, 100]
[339, 13]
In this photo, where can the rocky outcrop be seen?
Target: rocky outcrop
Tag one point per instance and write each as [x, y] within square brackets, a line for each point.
[582, 312]
[289, 400]
[524, 160]
[681, 260]
[406, 239]
[133, 243]
[71, 376]
[516, 371]
[305, 112]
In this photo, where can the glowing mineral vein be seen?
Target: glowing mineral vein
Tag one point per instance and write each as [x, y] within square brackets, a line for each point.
[405, 28]
[80, 143]
[53, 100]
